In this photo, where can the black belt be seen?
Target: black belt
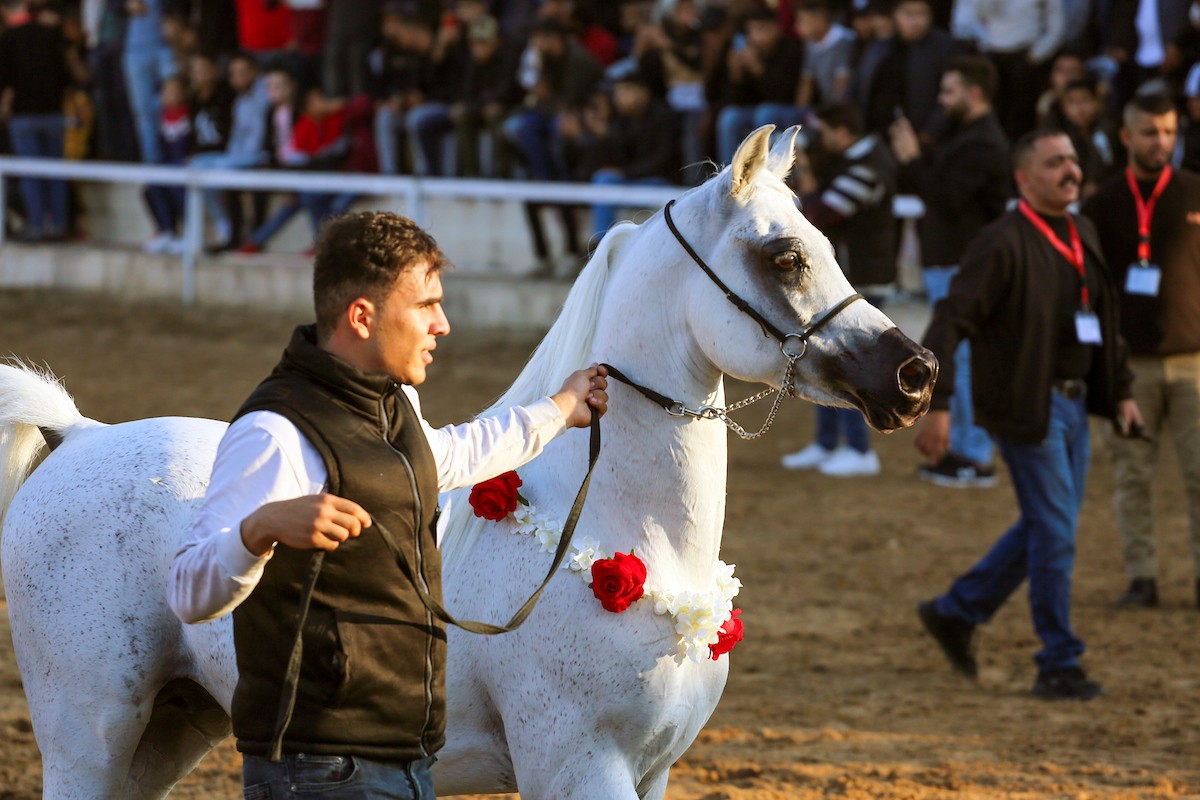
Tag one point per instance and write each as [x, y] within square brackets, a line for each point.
[1070, 388]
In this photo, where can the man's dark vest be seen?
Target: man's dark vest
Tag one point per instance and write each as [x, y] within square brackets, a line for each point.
[372, 680]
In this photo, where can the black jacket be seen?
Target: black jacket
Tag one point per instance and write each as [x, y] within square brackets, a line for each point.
[33, 64]
[373, 674]
[964, 185]
[641, 146]
[1170, 323]
[1001, 302]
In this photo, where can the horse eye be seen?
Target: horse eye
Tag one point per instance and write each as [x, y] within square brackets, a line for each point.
[788, 260]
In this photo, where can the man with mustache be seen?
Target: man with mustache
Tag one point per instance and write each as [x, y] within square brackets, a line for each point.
[1034, 298]
[1149, 223]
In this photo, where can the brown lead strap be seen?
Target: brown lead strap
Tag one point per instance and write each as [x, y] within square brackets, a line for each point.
[291, 682]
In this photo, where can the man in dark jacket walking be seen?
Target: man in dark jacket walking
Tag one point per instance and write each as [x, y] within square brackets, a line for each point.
[963, 182]
[1034, 298]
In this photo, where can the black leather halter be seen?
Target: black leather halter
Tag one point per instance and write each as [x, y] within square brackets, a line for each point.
[769, 328]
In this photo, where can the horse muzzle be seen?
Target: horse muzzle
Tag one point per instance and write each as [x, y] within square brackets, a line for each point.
[893, 382]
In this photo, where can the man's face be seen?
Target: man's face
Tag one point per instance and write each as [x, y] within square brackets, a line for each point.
[830, 138]
[1080, 107]
[812, 27]
[1150, 139]
[1050, 177]
[1067, 68]
[548, 44]
[954, 96]
[762, 34]
[279, 88]
[407, 327]
[913, 20]
[241, 74]
[630, 99]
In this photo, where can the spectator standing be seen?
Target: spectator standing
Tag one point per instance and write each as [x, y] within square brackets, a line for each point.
[33, 72]
[964, 185]
[1083, 120]
[635, 147]
[264, 29]
[352, 29]
[672, 50]
[1190, 158]
[760, 81]
[406, 76]
[246, 146]
[1066, 68]
[147, 61]
[1139, 35]
[488, 93]
[1149, 223]
[1020, 37]
[308, 19]
[1036, 300]
[116, 131]
[429, 122]
[903, 71]
[828, 56]
[166, 203]
[211, 105]
[853, 207]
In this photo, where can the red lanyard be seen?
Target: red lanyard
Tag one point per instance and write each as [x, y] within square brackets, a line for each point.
[1145, 209]
[1073, 254]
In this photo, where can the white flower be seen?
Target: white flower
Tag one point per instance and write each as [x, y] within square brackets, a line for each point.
[526, 518]
[727, 585]
[549, 536]
[583, 555]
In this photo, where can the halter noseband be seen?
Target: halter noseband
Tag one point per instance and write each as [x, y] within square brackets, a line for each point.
[769, 328]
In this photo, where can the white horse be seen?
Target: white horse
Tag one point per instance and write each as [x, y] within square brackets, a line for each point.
[580, 703]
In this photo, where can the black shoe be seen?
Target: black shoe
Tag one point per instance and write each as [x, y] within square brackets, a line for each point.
[953, 635]
[958, 472]
[1066, 684]
[1142, 593]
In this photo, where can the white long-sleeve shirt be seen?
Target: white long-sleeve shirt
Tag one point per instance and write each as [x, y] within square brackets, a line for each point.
[264, 458]
[1004, 26]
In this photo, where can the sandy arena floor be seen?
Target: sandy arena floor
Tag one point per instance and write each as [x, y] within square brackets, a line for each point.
[835, 692]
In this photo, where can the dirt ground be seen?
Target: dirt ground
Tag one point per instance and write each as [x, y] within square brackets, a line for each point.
[835, 691]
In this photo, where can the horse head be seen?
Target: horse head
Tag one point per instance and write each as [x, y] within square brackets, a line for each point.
[750, 242]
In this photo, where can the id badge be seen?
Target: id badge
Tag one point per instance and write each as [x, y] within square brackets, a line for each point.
[1087, 327]
[1143, 280]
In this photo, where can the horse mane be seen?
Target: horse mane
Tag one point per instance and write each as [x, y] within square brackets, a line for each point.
[564, 349]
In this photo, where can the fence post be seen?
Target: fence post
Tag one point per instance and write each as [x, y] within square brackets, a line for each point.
[415, 201]
[193, 238]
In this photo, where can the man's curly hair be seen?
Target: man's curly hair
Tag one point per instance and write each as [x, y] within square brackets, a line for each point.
[363, 255]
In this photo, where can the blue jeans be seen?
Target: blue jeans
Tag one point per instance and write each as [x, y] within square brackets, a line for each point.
[167, 205]
[319, 205]
[222, 160]
[833, 423]
[535, 136]
[336, 778]
[604, 215]
[967, 440]
[145, 69]
[734, 123]
[1049, 480]
[33, 136]
[429, 126]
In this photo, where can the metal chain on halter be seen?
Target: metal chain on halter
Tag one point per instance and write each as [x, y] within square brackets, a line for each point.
[788, 389]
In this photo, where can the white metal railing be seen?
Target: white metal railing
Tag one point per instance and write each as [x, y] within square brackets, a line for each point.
[414, 190]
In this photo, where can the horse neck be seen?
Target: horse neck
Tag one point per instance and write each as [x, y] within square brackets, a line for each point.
[671, 473]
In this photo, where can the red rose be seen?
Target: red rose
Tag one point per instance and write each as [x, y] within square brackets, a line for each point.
[729, 635]
[618, 581]
[495, 499]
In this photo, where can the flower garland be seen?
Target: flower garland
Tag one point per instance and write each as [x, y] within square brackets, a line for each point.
[706, 622]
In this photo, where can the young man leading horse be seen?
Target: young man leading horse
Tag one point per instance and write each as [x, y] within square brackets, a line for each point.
[328, 454]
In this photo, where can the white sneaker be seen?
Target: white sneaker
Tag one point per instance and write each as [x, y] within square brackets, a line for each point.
[175, 246]
[846, 462]
[158, 244]
[809, 458]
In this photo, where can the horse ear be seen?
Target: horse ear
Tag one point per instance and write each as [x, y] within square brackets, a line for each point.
[750, 158]
[783, 153]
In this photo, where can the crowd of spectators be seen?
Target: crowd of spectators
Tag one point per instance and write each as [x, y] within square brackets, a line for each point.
[646, 91]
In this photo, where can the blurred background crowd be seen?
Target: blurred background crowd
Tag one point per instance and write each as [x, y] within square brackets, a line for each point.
[612, 91]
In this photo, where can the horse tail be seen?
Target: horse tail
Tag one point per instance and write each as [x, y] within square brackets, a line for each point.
[34, 410]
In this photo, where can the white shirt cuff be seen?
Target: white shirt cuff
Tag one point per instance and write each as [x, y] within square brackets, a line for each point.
[238, 562]
[546, 418]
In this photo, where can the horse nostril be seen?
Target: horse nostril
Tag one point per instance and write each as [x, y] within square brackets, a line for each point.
[914, 375]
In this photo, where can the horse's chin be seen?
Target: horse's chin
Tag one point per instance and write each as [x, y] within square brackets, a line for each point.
[887, 418]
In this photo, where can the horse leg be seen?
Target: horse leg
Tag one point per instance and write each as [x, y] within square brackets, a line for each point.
[655, 788]
[185, 724]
